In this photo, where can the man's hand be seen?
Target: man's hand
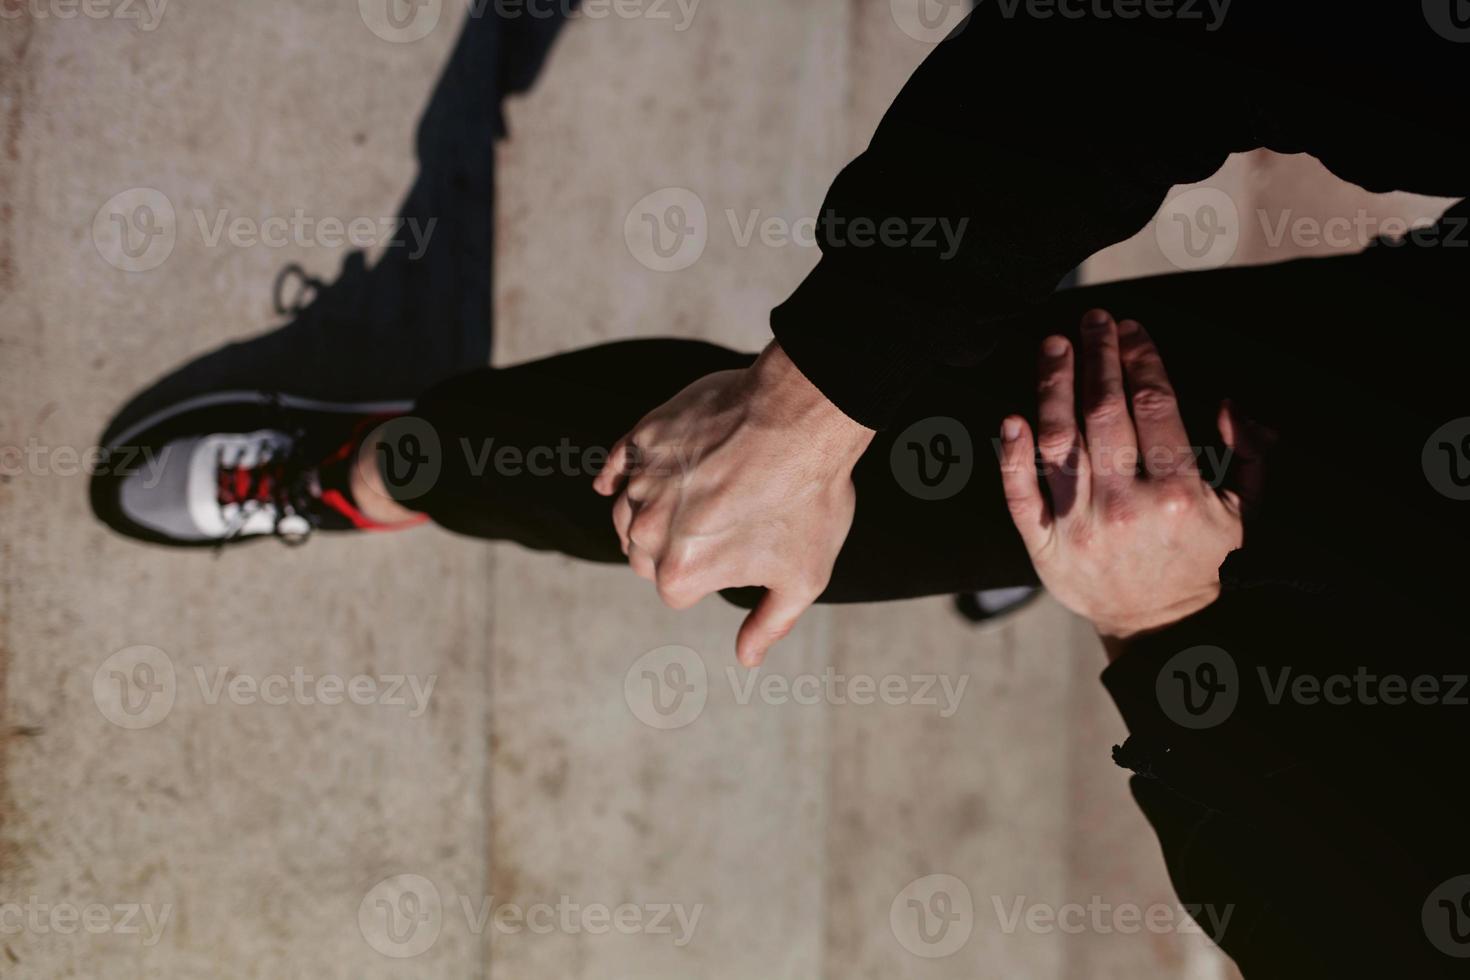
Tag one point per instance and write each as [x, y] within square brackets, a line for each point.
[743, 478]
[1129, 535]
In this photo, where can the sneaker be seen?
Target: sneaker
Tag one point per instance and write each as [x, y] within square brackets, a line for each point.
[231, 467]
[992, 604]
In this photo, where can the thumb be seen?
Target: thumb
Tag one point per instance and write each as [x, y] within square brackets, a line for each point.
[1249, 442]
[772, 618]
[1029, 509]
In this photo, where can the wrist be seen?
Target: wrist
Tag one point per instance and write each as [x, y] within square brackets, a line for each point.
[788, 396]
[1117, 634]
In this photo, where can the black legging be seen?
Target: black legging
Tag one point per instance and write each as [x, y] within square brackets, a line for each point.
[1355, 360]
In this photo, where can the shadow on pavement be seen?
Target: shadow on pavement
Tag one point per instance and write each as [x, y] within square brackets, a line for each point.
[390, 331]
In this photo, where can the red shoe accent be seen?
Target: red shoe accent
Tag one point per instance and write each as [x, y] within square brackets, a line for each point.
[338, 501]
[241, 485]
[361, 521]
[366, 424]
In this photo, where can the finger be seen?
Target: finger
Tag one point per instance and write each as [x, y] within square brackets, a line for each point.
[619, 462]
[649, 529]
[1067, 474]
[642, 563]
[641, 486]
[1022, 487]
[1248, 443]
[1112, 445]
[771, 620]
[1162, 439]
[622, 518]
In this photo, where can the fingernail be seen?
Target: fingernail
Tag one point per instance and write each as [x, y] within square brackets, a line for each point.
[1010, 430]
[1055, 346]
[1096, 320]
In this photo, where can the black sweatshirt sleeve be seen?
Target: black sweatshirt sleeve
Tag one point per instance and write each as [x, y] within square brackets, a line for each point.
[1014, 152]
[1023, 145]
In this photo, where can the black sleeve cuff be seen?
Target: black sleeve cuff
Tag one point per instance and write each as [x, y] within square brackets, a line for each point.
[1145, 698]
[854, 341]
[1193, 689]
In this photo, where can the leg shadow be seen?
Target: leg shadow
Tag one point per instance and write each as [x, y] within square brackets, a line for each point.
[390, 331]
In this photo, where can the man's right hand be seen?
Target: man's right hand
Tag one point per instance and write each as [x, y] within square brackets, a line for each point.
[743, 478]
[1127, 534]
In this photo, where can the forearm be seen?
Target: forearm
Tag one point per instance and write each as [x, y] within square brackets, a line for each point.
[993, 183]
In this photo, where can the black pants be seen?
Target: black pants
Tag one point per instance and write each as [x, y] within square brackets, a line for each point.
[1355, 560]
[1355, 360]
